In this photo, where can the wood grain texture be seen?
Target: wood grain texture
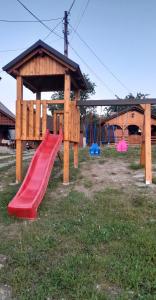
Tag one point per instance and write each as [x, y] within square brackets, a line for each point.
[148, 155]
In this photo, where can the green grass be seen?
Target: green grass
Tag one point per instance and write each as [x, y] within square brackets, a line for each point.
[135, 166]
[82, 248]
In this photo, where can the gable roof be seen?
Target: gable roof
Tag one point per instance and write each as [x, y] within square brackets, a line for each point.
[6, 111]
[137, 108]
[65, 60]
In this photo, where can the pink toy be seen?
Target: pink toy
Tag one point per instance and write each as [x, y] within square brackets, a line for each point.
[122, 146]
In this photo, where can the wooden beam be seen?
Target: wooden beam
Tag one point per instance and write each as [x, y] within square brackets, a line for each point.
[19, 153]
[76, 145]
[67, 86]
[47, 101]
[148, 155]
[76, 155]
[142, 154]
[19, 129]
[110, 102]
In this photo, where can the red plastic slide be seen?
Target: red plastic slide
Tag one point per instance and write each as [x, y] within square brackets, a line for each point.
[32, 190]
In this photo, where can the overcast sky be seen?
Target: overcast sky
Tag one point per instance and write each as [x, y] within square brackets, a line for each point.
[120, 32]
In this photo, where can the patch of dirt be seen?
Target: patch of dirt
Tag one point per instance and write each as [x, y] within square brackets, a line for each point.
[114, 173]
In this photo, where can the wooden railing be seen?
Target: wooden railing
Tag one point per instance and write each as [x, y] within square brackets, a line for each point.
[74, 123]
[32, 119]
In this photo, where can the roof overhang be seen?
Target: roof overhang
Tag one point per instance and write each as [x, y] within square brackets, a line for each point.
[40, 82]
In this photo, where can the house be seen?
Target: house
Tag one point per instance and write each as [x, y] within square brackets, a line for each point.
[130, 124]
[7, 124]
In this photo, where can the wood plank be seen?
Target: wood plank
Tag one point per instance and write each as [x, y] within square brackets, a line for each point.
[24, 120]
[148, 155]
[47, 101]
[67, 86]
[142, 154]
[42, 65]
[66, 163]
[44, 118]
[76, 154]
[38, 118]
[19, 151]
[55, 122]
[31, 119]
[18, 107]
[110, 102]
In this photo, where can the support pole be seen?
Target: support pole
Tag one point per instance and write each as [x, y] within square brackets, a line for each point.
[76, 155]
[19, 143]
[148, 155]
[142, 155]
[76, 145]
[38, 96]
[65, 31]
[67, 85]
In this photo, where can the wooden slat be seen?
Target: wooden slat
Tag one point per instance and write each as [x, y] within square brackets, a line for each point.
[38, 118]
[55, 123]
[24, 120]
[31, 119]
[44, 118]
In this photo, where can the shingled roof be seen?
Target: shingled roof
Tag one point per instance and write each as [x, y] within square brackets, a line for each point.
[75, 69]
[6, 111]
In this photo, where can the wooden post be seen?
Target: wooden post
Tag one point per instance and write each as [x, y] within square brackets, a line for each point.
[61, 122]
[67, 85]
[142, 152]
[76, 145]
[55, 123]
[38, 96]
[142, 155]
[148, 155]
[44, 118]
[19, 129]
[76, 155]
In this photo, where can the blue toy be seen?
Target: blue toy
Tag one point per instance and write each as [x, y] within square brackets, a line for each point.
[94, 150]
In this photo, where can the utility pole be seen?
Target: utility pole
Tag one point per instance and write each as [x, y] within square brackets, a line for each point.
[66, 32]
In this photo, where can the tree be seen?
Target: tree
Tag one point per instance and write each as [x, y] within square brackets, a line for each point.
[84, 95]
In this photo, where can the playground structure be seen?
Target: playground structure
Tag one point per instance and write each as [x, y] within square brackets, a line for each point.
[146, 150]
[41, 68]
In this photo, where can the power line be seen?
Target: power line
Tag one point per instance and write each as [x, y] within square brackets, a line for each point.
[52, 31]
[40, 21]
[69, 11]
[20, 49]
[81, 16]
[28, 21]
[100, 60]
[97, 76]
